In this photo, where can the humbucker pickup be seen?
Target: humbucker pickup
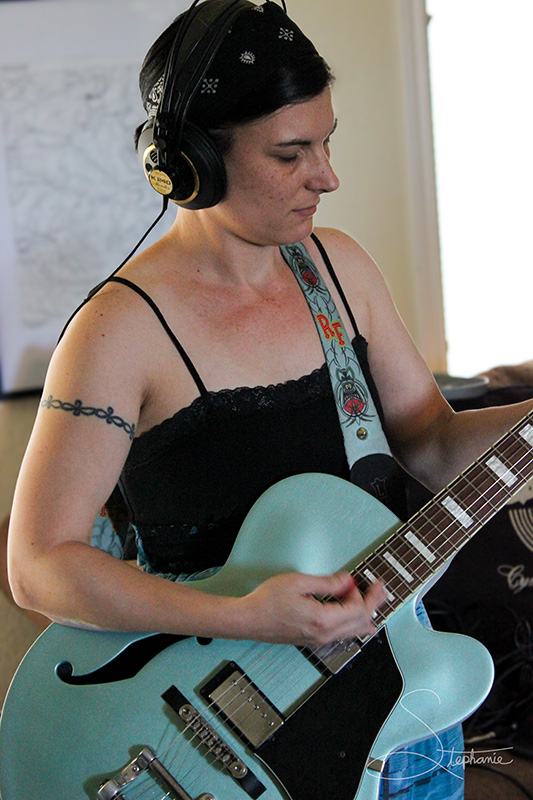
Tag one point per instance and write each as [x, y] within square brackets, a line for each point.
[242, 705]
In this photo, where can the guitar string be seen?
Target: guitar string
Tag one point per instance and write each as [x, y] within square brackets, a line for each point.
[395, 581]
[313, 265]
[393, 576]
[415, 563]
[150, 786]
[200, 762]
[292, 653]
[477, 495]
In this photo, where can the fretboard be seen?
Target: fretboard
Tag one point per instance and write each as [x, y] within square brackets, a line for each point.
[417, 550]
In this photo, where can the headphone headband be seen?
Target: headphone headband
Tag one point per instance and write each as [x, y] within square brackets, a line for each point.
[195, 46]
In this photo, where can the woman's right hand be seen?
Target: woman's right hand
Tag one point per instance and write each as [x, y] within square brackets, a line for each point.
[285, 609]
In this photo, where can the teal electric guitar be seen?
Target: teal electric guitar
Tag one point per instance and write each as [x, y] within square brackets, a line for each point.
[107, 715]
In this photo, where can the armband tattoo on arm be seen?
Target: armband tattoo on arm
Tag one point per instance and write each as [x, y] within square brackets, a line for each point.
[79, 410]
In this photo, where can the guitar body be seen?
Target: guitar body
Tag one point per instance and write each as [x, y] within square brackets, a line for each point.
[62, 737]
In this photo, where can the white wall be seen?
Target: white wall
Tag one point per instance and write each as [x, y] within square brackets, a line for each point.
[360, 41]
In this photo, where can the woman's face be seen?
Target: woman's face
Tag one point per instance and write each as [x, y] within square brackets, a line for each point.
[277, 169]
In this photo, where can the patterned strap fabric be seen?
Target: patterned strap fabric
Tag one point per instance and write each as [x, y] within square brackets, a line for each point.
[359, 420]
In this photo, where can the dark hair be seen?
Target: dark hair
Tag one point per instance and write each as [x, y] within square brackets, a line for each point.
[286, 84]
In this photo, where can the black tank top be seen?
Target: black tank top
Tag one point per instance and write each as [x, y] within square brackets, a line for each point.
[189, 482]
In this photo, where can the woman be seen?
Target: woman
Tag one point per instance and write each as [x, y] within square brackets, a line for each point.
[195, 437]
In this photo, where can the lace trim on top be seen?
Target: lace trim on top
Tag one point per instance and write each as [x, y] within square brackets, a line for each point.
[219, 404]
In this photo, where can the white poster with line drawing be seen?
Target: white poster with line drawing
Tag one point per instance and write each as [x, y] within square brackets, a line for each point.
[73, 198]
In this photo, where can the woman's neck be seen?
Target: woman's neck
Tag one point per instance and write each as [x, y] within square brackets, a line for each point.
[220, 254]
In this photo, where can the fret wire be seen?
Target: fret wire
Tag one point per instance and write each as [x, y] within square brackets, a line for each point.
[383, 571]
[516, 444]
[483, 477]
[430, 571]
[483, 467]
[478, 464]
[489, 507]
[392, 581]
[380, 615]
[525, 477]
[467, 511]
[378, 564]
[388, 605]
[435, 545]
[511, 447]
[518, 468]
[479, 508]
[436, 518]
[363, 582]
[414, 562]
[396, 545]
[494, 480]
[392, 584]
[410, 557]
[396, 583]
[486, 495]
[440, 557]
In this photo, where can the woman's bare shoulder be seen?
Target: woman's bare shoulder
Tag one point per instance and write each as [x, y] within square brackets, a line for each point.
[356, 269]
[345, 252]
[110, 313]
[107, 348]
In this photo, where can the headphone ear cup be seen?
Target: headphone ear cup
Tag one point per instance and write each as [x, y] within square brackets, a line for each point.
[193, 178]
[202, 169]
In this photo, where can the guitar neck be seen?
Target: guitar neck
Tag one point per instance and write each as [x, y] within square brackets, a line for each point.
[417, 550]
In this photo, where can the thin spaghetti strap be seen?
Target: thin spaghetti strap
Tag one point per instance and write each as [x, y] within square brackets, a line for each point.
[335, 280]
[177, 344]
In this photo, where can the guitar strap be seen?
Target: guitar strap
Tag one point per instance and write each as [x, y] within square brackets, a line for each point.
[358, 416]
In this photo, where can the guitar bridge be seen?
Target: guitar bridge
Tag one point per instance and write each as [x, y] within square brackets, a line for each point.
[215, 745]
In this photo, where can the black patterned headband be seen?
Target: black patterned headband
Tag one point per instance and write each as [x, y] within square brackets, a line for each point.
[261, 38]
